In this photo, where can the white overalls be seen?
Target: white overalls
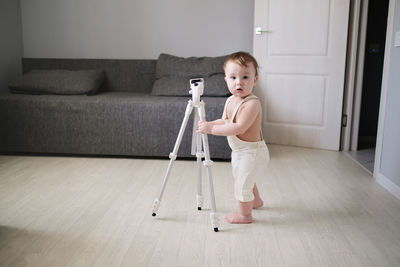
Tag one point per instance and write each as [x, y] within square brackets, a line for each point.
[249, 159]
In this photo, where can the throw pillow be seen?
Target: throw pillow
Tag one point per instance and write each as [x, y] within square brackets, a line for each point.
[173, 74]
[61, 82]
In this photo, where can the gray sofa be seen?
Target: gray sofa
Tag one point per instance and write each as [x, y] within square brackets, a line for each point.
[123, 118]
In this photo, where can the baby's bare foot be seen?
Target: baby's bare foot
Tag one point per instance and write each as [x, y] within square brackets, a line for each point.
[236, 218]
[258, 203]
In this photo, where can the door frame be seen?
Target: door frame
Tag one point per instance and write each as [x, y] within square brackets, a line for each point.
[354, 75]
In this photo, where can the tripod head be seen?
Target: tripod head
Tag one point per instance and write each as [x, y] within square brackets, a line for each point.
[197, 90]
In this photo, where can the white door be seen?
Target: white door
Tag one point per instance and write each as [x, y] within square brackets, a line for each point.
[301, 51]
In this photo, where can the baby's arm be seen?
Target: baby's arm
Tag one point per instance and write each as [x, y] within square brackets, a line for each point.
[248, 114]
[206, 126]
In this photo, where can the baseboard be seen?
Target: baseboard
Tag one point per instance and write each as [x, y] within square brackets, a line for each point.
[388, 185]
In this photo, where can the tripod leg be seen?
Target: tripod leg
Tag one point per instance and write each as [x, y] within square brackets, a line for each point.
[172, 156]
[197, 150]
[208, 164]
[199, 195]
[199, 156]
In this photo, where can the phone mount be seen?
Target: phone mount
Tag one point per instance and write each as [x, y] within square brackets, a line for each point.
[197, 90]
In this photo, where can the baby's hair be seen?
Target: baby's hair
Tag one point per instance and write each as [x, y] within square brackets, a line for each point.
[243, 59]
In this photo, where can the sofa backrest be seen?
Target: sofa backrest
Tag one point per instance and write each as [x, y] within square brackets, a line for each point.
[129, 75]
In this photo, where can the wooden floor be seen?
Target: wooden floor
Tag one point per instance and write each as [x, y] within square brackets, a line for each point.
[322, 209]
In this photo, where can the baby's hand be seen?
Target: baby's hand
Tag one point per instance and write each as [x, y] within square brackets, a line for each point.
[204, 127]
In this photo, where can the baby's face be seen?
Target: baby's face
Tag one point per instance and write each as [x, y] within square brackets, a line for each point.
[240, 79]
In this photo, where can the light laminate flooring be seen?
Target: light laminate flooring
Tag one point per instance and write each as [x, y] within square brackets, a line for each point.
[321, 209]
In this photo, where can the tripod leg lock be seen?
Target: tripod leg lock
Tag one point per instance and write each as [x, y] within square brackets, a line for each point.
[200, 155]
[207, 163]
[172, 156]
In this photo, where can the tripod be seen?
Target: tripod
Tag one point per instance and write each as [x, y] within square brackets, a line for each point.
[198, 140]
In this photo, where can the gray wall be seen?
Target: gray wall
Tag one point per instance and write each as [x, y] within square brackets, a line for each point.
[140, 29]
[390, 160]
[11, 42]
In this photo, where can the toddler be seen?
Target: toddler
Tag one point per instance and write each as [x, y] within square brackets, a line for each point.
[241, 123]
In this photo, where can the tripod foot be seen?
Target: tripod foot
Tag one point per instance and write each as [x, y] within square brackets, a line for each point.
[156, 204]
[214, 221]
[200, 201]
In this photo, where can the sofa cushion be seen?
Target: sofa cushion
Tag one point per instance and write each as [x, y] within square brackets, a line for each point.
[173, 75]
[58, 81]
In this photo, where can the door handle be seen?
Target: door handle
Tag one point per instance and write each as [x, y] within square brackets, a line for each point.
[259, 30]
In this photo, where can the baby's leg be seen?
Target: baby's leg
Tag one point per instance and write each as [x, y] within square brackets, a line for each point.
[243, 215]
[257, 202]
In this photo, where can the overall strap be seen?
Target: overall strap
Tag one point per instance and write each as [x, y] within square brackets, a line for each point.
[224, 115]
[240, 103]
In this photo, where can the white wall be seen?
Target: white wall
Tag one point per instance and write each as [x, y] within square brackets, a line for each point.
[140, 29]
[11, 42]
[390, 159]
[387, 156]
